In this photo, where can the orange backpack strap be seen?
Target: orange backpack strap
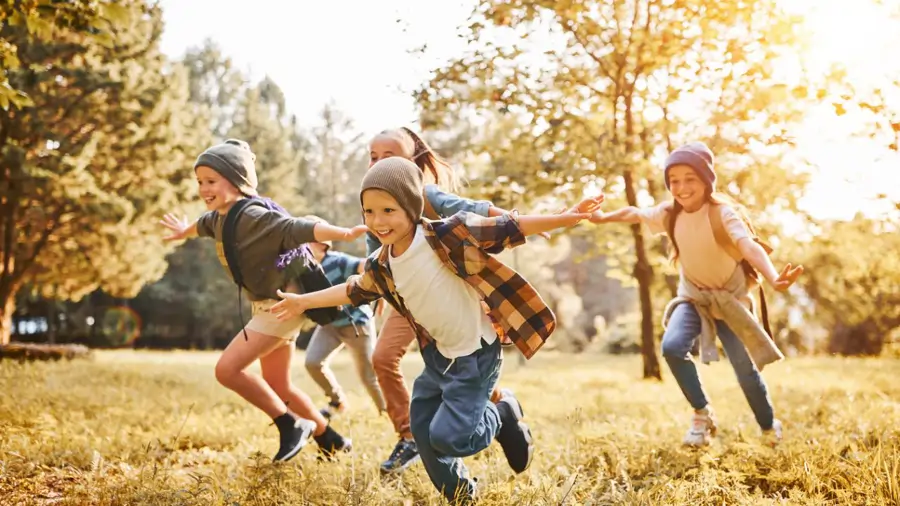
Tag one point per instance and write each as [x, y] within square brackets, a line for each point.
[430, 213]
[721, 235]
[724, 240]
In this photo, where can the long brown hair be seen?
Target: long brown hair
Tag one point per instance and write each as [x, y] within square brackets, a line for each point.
[417, 150]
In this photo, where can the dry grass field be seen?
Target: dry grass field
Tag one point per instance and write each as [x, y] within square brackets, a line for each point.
[154, 428]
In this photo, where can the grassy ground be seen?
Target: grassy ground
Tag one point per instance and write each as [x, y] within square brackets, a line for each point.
[155, 428]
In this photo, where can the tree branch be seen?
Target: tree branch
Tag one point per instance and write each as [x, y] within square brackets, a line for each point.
[39, 245]
[9, 231]
[569, 26]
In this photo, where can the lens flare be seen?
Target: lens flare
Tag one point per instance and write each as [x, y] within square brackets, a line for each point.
[121, 325]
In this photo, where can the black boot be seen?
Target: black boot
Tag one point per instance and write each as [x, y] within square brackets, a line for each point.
[330, 443]
[294, 433]
[514, 435]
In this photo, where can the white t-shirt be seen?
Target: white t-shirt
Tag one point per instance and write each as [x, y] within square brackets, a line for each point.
[448, 307]
[700, 257]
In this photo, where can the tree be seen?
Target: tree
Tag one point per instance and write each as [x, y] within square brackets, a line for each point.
[260, 118]
[89, 169]
[336, 161]
[853, 283]
[601, 88]
[43, 21]
[215, 85]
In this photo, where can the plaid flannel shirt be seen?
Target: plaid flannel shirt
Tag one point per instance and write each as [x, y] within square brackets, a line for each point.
[464, 243]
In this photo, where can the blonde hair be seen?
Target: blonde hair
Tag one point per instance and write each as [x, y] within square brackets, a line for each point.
[419, 152]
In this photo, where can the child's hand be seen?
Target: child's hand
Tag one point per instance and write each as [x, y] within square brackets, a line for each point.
[787, 277]
[291, 305]
[589, 205]
[180, 227]
[356, 232]
[585, 209]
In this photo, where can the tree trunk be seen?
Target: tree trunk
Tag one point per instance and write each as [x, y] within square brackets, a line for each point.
[52, 321]
[7, 307]
[643, 273]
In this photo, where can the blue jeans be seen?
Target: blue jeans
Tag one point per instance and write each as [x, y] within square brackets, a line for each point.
[681, 334]
[452, 416]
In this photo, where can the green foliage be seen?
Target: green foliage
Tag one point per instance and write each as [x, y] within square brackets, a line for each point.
[337, 157]
[852, 278]
[43, 21]
[88, 171]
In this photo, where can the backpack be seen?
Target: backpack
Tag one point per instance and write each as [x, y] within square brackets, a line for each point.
[311, 278]
[724, 241]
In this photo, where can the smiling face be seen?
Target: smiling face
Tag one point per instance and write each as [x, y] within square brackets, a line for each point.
[687, 188]
[216, 191]
[385, 146]
[387, 220]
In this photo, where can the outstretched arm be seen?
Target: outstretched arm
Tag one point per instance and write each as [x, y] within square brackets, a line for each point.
[537, 224]
[293, 304]
[325, 232]
[759, 259]
[624, 215]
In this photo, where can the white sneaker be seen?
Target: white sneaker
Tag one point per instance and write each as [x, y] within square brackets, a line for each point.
[703, 428]
[774, 435]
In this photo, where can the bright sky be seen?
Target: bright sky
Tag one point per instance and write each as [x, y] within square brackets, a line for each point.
[355, 53]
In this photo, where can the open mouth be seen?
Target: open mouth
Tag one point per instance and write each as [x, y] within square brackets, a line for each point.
[383, 233]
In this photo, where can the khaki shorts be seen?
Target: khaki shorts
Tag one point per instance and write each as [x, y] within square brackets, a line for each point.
[267, 323]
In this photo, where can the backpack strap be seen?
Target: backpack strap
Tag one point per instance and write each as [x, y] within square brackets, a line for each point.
[229, 241]
[721, 235]
[229, 246]
[429, 212]
[724, 240]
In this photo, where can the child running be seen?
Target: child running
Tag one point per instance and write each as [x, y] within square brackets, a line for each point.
[451, 413]
[718, 259]
[355, 330]
[226, 173]
[397, 333]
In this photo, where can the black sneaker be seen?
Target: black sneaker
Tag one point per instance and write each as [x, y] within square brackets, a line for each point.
[405, 454]
[294, 433]
[514, 435]
[331, 443]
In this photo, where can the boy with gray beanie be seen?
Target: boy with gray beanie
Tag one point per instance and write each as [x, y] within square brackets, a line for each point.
[436, 274]
[226, 174]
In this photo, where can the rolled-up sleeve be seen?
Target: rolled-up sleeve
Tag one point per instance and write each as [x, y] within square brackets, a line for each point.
[448, 204]
[362, 288]
[493, 235]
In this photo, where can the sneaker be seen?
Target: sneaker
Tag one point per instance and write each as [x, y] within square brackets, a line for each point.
[294, 433]
[703, 428]
[471, 499]
[773, 436]
[332, 409]
[404, 455]
[514, 435]
[331, 443]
